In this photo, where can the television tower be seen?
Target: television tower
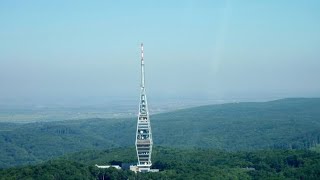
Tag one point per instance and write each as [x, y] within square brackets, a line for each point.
[143, 133]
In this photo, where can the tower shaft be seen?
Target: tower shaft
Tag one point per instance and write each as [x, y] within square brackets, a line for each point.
[143, 134]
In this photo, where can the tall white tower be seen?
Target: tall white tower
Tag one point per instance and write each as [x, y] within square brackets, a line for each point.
[143, 133]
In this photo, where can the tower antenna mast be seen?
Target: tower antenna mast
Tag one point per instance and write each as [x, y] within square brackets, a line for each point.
[143, 134]
[142, 67]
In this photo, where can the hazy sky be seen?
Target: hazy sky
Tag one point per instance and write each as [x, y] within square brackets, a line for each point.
[212, 49]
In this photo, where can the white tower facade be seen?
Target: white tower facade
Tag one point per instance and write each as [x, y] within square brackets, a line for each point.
[143, 134]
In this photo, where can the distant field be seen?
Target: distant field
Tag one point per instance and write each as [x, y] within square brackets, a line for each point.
[45, 116]
[48, 114]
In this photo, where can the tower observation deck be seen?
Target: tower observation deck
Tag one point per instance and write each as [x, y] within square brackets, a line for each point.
[143, 134]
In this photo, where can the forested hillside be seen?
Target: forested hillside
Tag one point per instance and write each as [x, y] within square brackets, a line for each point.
[281, 124]
[179, 164]
[287, 123]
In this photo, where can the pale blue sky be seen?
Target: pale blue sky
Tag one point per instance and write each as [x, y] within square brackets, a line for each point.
[215, 49]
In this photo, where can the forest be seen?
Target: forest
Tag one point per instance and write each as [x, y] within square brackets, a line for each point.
[281, 124]
[178, 163]
[259, 140]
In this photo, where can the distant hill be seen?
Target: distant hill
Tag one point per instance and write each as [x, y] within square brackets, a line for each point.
[285, 124]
